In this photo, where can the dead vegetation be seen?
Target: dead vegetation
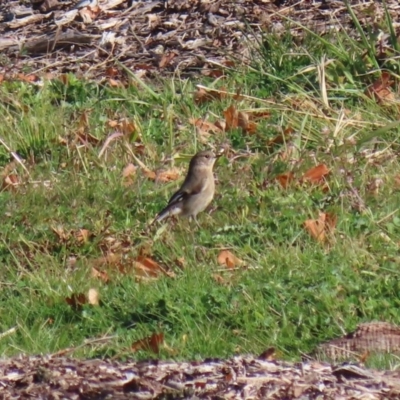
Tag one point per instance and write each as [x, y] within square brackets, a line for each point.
[187, 37]
[235, 378]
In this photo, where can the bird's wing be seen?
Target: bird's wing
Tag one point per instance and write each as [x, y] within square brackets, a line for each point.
[185, 191]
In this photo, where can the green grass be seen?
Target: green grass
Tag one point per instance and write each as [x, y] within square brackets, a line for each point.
[291, 293]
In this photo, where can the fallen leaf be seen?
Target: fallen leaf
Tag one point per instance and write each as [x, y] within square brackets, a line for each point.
[316, 174]
[93, 297]
[83, 235]
[115, 83]
[180, 262]
[86, 138]
[364, 357]
[10, 182]
[89, 13]
[221, 124]
[212, 72]
[111, 72]
[27, 78]
[228, 259]
[204, 125]
[245, 123]
[147, 267]
[103, 276]
[64, 78]
[396, 182]
[231, 118]
[127, 127]
[375, 185]
[268, 355]
[256, 115]
[168, 175]
[285, 179]
[381, 90]
[128, 173]
[281, 138]
[219, 279]
[62, 235]
[318, 228]
[148, 173]
[202, 96]
[76, 301]
[330, 222]
[167, 58]
[152, 343]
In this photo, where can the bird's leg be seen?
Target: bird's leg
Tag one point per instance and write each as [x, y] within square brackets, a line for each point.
[194, 217]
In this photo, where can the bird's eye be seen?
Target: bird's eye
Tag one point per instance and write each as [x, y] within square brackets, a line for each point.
[207, 156]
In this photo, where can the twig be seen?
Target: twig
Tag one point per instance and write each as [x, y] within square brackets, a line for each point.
[85, 343]
[9, 332]
[15, 155]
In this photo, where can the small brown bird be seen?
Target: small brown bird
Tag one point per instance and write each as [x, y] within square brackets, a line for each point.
[196, 192]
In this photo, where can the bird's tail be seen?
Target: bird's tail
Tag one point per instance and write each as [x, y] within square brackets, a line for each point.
[169, 210]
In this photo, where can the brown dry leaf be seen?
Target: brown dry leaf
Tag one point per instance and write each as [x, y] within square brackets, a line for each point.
[318, 228]
[124, 126]
[103, 276]
[316, 174]
[127, 174]
[281, 138]
[111, 260]
[148, 173]
[256, 115]
[231, 118]
[93, 297]
[127, 127]
[27, 78]
[76, 301]
[111, 72]
[205, 126]
[268, 355]
[86, 138]
[64, 78]
[1, 78]
[83, 235]
[381, 90]
[202, 96]
[167, 58]
[364, 357]
[84, 120]
[228, 63]
[180, 262]
[221, 124]
[115, 83]
[152, 343]
[146, 267]
[112, 123]
[245, 123]
[169, 175]
[375, 185]
[212, 72]
[285, 179]
[62, 235]
[228, 259]
[330, 222]
[10, 182]
[219, 279]
[396, 182]
[82, 132]
[89, 14]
